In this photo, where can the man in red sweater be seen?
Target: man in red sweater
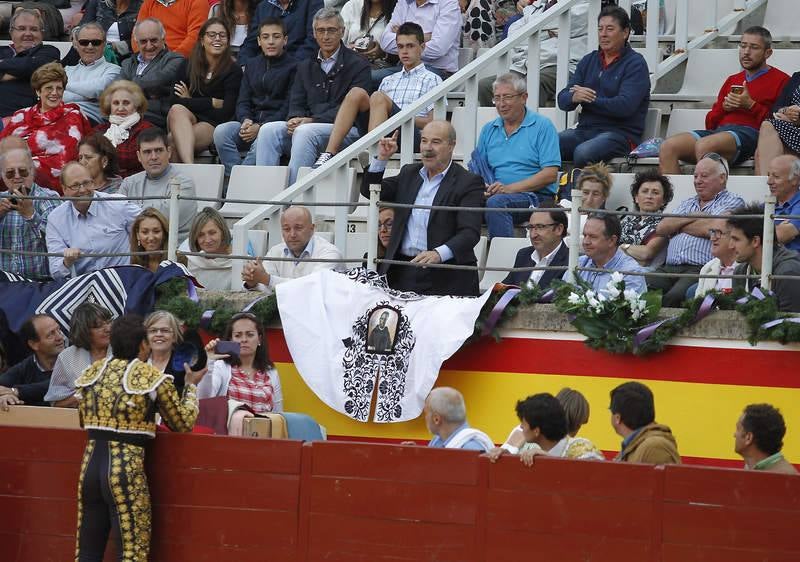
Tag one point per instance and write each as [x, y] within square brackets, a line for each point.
[744, 101]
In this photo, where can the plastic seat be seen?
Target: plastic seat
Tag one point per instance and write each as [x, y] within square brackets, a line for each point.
[207, 179]
[253, 183]
[502, 253]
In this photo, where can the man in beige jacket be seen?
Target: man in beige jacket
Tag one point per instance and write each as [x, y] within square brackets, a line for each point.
[633, 416]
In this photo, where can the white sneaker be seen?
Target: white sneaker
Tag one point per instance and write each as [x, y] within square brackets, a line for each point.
[321, 159]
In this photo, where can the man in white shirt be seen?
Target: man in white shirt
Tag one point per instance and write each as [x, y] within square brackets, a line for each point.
[87, 79]
[723, 263]
[299, 243]
[547, 230]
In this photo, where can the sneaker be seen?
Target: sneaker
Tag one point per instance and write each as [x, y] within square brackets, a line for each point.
[364, 159]
[324, 157]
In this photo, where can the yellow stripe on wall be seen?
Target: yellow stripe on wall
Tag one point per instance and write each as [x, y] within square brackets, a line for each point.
[701, 416]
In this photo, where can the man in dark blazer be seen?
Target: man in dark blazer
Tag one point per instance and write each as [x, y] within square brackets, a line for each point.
[547, 230]
[428, 236]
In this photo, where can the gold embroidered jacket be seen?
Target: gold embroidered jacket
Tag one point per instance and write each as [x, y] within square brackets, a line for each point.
[123, 396]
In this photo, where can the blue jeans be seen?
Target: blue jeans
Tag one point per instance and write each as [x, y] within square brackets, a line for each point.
[584, 147]
[502, 224]
[303, 147]
[230, 146]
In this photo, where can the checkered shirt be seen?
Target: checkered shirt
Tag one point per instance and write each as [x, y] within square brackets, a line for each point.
[18, 233]
[406, 87]
[256, 392]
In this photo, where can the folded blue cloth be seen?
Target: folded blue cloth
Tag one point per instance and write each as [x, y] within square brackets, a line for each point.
[301, 426]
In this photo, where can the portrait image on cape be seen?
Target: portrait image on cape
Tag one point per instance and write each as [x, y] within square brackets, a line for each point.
[382, 329]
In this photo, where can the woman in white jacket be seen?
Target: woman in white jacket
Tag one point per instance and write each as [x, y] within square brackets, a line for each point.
[250, 377]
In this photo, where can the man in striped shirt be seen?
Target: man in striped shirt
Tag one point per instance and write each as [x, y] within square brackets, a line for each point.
[394, 93]
[690, 245]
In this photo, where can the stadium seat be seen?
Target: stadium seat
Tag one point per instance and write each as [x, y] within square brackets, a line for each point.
[259, 240]
[207, 181]
[325, 190]
[356, 247]
[481, 251]
[776, 20]
[359, 214]
[502, 253]
[253, 183]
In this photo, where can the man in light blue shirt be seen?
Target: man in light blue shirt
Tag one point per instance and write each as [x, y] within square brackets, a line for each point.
[601, 235]
[521, 150]
[446, 418]
[87, 227]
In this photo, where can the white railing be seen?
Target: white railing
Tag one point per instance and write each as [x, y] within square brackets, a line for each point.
[559, 15]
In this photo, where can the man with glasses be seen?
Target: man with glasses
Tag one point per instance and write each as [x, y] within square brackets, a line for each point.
[23, 221]
[320, 86]
[689, 246]
[18, 60]
[87, 79]
[723, 263]
[155, 69]
[297, 17]
[521, 150]
[601, 235]
[101, 224]
[783, 180]
[181, 19]
[546, 230]
[743, 102]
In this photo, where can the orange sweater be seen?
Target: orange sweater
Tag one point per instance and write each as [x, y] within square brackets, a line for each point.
[182, 21]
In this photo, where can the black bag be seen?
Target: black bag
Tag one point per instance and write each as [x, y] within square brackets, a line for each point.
[53, 21]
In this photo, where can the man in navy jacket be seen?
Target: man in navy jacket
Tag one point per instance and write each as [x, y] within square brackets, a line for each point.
[296, 15]
[612, 87]
[321, 83]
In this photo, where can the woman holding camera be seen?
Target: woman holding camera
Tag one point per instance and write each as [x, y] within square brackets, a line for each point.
[249, 377]
[118, 401]
[364, 22]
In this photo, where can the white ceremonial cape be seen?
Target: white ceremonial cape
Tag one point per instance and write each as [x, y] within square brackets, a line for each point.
[347, 332]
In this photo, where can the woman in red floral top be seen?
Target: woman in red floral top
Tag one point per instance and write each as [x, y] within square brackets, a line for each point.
[251, 377]
[51, 128]
[124, 104]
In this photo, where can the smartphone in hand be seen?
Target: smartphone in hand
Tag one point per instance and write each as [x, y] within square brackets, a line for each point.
[231, 348]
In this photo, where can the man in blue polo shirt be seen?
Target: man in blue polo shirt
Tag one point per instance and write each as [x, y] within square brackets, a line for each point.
[521, 150]
[783, 180]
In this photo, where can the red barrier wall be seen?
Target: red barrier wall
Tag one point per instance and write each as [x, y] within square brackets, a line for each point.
[218, 498]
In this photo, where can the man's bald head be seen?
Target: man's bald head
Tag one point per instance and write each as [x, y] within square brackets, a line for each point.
[297, 228]
[783, 177]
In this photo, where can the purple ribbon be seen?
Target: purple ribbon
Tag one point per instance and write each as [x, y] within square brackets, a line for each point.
[192, 290]
[756, 292]
[773, 323]
[205, 319]
[548, 296]
[253, 303]
[497, 311]
[644, 334]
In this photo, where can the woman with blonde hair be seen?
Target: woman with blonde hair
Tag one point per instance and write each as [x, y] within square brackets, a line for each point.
[149, 233]
[124, 103]
[595, 184]
[51, 128]
[210, 235]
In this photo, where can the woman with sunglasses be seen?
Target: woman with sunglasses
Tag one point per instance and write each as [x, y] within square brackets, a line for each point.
[250, 377]
[206, 94]
[51, 128]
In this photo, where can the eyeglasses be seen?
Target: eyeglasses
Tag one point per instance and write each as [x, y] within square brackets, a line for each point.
[714, 233]
[23, 29]
[84, 185]
[155, 331]
[386, 224]
[505, 99]
[146, 40]
[92, 42]
[717, 158]
[327, 31]
[538, 227]
[11, 173]
[217, 34]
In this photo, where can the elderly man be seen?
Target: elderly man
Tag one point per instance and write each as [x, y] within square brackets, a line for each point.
[319, 88]
[633, 414]
[27, 381]
[748, 247]
[154, 69]
[23, 221]
[546, 230]
[548, 50]
[422, 236]
[441, 23]
[689, 246]
[783, 180]
[297, 16]
[723, 264]
[612, 88]
[87, 79]
[154, 152]
[743, 102]
[759, 439]
[601, 235]
[299, 243]
[18, 60]
[100, 225]
[446, 418]
[182, 20]
[521, 150]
